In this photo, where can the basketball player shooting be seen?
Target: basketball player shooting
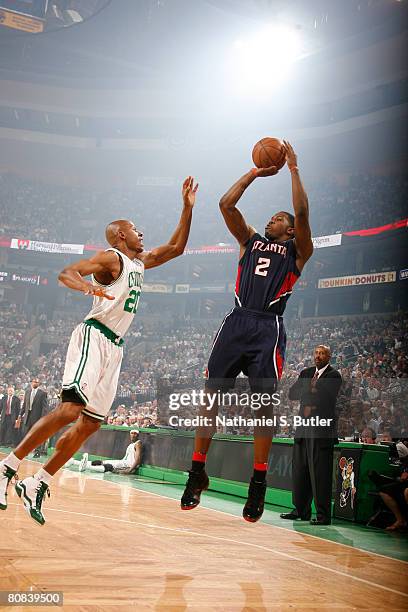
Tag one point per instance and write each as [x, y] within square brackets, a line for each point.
[252, 338]
[95, 349]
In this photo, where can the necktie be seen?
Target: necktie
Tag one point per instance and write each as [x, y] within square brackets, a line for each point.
[307, 409]
[32, 397]
[8, 409]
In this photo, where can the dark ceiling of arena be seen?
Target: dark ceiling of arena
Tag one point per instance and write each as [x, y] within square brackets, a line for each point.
[144, 40]
[155, 70]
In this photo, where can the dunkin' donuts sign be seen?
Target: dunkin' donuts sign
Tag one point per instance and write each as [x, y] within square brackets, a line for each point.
[358, 279]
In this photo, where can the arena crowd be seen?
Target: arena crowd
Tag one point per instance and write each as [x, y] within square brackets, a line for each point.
[79, 215]
[369, 351]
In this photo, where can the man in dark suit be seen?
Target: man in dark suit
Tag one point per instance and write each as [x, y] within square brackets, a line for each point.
[9, 409]
[17, 426]
[35, 406]
[316, 388]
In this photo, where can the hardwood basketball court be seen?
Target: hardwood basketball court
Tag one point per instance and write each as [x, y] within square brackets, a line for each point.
[108, 545]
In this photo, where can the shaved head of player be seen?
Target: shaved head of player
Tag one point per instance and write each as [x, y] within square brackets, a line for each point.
[122, 234]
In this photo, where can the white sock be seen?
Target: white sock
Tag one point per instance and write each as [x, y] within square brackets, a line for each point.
[12, 461]
[44, 476]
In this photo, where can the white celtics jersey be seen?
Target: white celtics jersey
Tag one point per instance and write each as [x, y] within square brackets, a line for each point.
[130, 455]
[118, 314]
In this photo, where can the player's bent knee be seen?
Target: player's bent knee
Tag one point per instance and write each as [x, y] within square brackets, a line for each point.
[69, 411]
[89, 423]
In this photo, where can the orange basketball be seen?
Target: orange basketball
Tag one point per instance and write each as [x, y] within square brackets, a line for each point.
[269, 152]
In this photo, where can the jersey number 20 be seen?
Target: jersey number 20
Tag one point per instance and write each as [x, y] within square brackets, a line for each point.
[132, 302]
[262, 266]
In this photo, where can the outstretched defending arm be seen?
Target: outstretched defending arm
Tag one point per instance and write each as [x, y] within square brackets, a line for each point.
[178, 241]
[303, 236]
[232, 215]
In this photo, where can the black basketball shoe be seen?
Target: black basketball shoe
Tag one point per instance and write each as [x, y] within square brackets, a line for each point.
[196, 483]
[254, 506]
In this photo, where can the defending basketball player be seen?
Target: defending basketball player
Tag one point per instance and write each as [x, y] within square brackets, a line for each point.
[252, 337]
[95, 350]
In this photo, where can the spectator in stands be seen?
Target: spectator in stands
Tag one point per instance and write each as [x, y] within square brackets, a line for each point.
[35, 406]
[17, 425]
[368, 436]
[394, 493]
[402, 448]
[336, 208]
[378, 361]
[9, 406]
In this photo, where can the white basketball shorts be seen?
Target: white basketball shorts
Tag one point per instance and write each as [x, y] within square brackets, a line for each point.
[92, 369]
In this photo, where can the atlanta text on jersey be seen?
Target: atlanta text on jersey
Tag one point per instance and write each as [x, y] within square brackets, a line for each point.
[274, 247]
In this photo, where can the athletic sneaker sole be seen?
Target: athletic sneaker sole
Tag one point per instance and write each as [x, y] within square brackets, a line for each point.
[197, 504]
[21, 492]
[250, 520]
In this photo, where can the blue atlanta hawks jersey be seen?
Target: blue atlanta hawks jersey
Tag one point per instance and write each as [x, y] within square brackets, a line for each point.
[266, 274]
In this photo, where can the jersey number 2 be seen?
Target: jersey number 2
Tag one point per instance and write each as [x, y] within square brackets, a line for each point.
[263, 264]
[132, 302]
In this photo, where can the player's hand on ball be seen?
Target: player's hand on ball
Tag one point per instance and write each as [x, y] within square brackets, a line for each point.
[271, 171]
[189, 191]
[90, 289]
[291, 157]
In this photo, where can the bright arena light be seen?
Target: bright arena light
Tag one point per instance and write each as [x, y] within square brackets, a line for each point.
[263, 62]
